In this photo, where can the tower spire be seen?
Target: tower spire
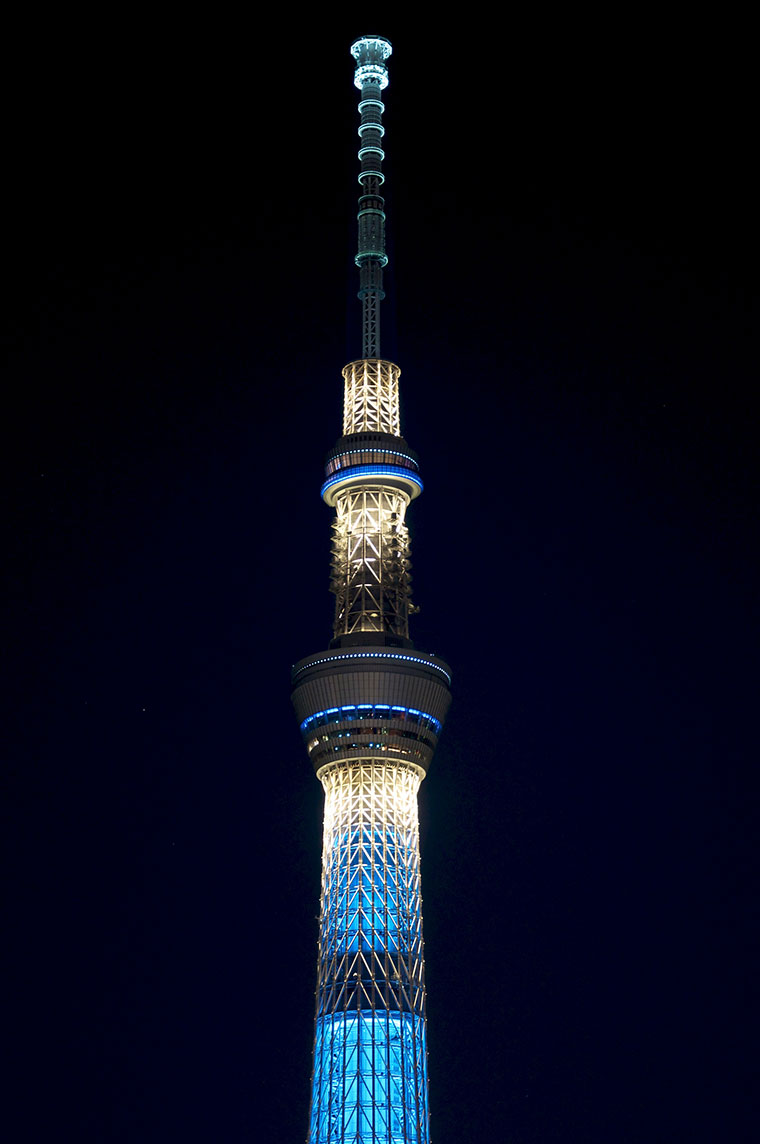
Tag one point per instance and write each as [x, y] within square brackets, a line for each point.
[370, 709]
[371, 78]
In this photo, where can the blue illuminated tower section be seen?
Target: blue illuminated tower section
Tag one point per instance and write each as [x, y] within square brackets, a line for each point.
[370, 708]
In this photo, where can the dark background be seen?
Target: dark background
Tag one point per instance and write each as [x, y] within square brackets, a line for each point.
[570, 298]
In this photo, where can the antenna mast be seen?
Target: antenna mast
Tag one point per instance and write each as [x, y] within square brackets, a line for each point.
[371, 78]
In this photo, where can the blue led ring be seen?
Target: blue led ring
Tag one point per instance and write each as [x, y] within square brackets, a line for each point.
[374, 471]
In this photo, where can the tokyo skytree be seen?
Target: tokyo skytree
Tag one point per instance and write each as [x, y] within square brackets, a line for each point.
[370, 708]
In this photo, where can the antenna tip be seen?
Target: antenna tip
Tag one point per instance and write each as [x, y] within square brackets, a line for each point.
[370, 53]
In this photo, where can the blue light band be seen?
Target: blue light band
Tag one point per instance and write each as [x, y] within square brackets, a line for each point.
[372, 471]
[354, 712]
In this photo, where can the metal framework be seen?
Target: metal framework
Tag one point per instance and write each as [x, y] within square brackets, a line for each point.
[370, 709]
[370, 1065]
[370, 562]
[370, 397]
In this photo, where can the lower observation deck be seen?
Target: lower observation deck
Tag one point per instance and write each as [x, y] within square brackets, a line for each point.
[371, 702]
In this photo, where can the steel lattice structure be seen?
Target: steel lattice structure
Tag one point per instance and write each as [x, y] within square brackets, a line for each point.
[371, 708]
[369, 1060]
[371, 397]
[370, 565]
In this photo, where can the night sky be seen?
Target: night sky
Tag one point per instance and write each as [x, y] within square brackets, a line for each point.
[570, 299]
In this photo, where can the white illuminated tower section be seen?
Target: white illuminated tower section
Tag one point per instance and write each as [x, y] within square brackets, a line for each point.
[371, 708]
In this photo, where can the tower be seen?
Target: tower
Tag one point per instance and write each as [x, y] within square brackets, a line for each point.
[370, 708]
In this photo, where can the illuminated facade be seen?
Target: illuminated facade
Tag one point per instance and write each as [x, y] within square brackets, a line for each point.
[371, 708]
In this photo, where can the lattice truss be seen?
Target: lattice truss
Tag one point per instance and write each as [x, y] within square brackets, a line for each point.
[370, 573]
[370, 1063]
[370, 397]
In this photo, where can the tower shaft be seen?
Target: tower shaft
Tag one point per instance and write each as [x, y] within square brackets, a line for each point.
[370, 1066]
[370, 709]
[372, 475]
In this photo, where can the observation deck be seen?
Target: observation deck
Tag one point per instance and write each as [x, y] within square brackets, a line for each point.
[371, 458]
[371, 701]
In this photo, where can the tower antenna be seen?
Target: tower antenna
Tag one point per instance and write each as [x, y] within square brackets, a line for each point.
[371, 78]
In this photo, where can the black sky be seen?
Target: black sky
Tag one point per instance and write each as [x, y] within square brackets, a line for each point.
[572, 301]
